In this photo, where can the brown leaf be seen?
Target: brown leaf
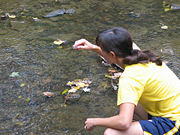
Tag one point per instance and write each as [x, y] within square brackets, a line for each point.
[48, 94]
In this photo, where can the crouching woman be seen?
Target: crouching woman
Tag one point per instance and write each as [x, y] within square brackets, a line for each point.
[146, 80]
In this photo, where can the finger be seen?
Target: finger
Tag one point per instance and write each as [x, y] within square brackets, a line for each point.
[79, 42]
[82, 47]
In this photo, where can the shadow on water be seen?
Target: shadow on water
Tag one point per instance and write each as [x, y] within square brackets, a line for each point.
[26, 47]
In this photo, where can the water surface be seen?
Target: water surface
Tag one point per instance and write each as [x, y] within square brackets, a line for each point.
[26, 47]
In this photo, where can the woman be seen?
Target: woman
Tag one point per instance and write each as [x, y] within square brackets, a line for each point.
[145, 80]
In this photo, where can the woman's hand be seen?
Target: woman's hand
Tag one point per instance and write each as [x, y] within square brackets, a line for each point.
[84, 44]
[89, 123]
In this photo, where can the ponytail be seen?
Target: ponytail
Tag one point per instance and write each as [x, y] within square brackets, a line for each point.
[142, 56]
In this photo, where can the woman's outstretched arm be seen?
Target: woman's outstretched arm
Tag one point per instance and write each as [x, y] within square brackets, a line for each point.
[83, 44]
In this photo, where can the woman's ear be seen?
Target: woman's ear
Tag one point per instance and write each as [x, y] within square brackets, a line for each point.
[112, 54]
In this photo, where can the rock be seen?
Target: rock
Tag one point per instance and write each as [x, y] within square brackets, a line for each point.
[55, 13]
[5, 16]
[70, 11]
[59, 12]
[175, 7]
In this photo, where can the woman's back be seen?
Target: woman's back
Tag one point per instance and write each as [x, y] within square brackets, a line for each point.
[156, 87]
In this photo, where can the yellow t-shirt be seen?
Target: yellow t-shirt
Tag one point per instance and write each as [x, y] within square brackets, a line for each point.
[156, 88]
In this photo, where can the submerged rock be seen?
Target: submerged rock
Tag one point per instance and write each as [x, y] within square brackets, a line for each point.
[5, 16]
[71, 98]
[59, 12]
[70, 11]
[175, 7]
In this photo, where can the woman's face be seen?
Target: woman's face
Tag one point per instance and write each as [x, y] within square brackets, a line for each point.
[111, 58]
[108, 56]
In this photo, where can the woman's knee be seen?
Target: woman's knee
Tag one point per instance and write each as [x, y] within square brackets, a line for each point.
[109, 131]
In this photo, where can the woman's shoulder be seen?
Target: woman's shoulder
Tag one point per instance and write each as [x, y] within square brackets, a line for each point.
[140, 69]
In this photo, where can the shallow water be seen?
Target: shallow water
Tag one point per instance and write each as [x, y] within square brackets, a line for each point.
[26, 47]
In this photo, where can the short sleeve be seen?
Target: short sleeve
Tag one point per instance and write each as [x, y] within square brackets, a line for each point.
[130, 90]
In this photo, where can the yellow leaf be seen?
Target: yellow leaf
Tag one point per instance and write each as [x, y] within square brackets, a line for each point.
[60, 47]
[35, 18]
[72, 90]
[65, 91]
[69, 83]
[58, 42]
[108, 76]
[167, 9]
[77, 87]
[22, 85]
[164, 27]
[65, 105]
[81, 85]
[12, 16]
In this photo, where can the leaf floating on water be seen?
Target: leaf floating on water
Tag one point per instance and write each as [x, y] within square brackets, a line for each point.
[76, 87]
[79, 83]
[36, 19]
[12, 16]
[86, 89]
[111, 70]
[114, 76]
[58, 42]
[22, 85]
[167, 9]
[70, 83]
[73, 90]
[48, 94]
[20, 96]
[14, 74]
[164, 27]
[108, 76]
[28, 99]
[166, 6]
[60, 47]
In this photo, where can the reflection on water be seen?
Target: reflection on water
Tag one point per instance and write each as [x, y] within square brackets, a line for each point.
[26, 47]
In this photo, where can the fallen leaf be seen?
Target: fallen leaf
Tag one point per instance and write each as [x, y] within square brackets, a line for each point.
[22, 85]
[20, 96]
[108, 76]
[12, 16]
[164, 27]
[112, 70]
[28, 99]
[60, 47]
[77, 87]
[58, 42]
[72, 90]
[48, 94]
[86, 89]
[167, 9]
[64, 92]
[14, 74]
[36, 19]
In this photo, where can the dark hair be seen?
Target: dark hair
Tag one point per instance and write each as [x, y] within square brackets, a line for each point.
[120, 42]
